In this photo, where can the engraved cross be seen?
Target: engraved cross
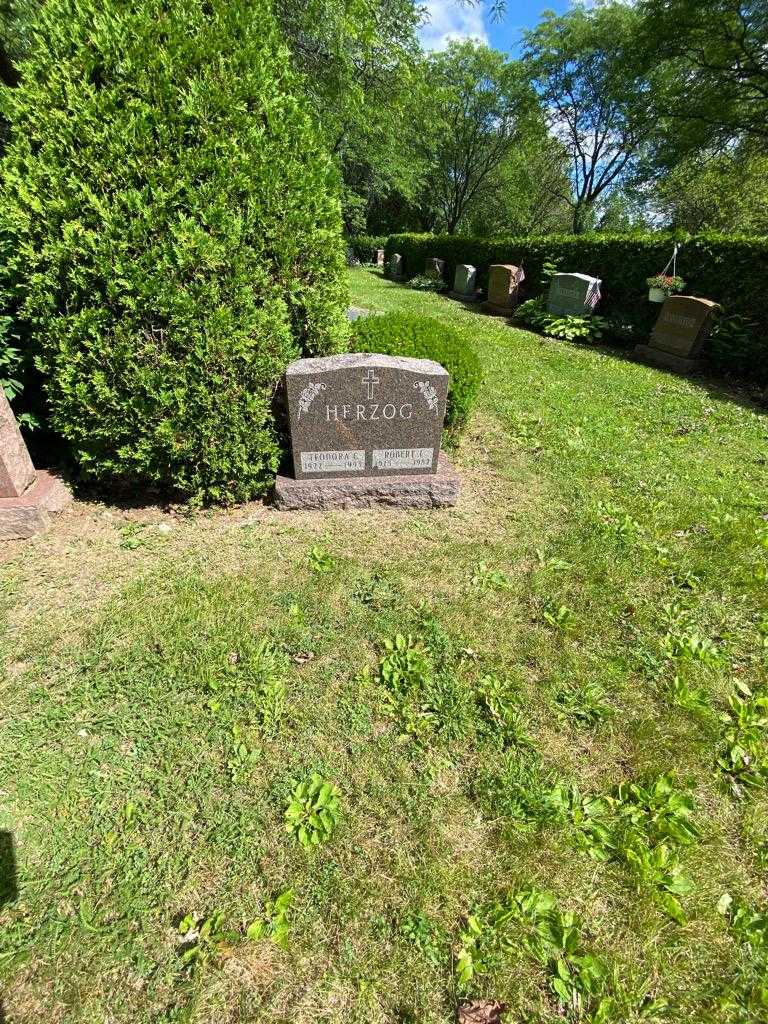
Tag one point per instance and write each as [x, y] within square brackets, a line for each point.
[370, 380]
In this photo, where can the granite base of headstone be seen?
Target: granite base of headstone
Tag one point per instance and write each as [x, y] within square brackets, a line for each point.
[28, 497]
[366, 432]
[464, 283]
[503, 289]
[573, 294]
[677, 340]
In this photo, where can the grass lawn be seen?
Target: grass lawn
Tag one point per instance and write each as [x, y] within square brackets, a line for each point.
[544, 787]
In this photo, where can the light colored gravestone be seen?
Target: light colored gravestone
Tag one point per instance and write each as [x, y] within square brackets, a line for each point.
[365, 431]
[504, 281]
[396, 267]
[683, 326]
[26, 497]
[573, 294]
[435, 268]
[464, 282]
[379, 257]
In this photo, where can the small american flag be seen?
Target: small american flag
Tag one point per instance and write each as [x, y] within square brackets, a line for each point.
[593, 294]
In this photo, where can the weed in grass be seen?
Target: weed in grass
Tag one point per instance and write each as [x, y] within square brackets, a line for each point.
[513, 789]
[619, 525]
[742, 755]
[428, 699]
[529, 918]
[243, 756]
[132, 536]
[557, 615]
[587, 816]
[583, 704]
[319, 560]
[274, 922]
[484, 579]
[498, 700]
[426, 935]
[204, 939]
[376, 592]
[313, 811]
[551, 562]
[690, 698]
[744, 999]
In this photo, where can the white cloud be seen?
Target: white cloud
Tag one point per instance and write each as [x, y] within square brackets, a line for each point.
[447, 20]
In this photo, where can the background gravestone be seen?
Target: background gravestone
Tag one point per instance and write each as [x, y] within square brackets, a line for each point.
[396, 267]
[504, 281]
[434, 268]
[379, 257]
[26, 497]
[573, 294]
[366, 429]
[464, 282]
[683, 326]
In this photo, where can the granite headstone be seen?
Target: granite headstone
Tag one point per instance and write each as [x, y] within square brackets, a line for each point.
[504, 281]
[434, 268]
[573, 294]
[682, 328]
[396, 266]
[464, 282]
[27, 497]
[379, 257]
[366, 423]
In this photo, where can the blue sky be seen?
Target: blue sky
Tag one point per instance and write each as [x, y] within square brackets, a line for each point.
[452, 19]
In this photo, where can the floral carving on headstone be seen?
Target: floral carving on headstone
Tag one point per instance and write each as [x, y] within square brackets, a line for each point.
[308, 395]
[429, 394]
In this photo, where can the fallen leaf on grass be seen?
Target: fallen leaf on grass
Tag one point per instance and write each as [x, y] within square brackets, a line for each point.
[480, 1011]
[303, 657]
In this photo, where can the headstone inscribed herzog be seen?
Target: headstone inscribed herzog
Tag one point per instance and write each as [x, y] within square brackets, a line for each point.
[504, 281]
[464, 281]
[362, 415]
[683, 326]
[573, 294]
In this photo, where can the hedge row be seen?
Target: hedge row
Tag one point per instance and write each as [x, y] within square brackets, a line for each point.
[363, 247]
[730, 270]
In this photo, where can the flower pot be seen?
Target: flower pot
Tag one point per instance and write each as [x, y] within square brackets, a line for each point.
[656, 295]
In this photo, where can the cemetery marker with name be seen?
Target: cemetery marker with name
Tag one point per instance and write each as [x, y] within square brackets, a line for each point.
[367, 423]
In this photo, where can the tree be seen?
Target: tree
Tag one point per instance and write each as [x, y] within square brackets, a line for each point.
[709, 63]
[174, 231]
[725, 192]
[477, 107]
[586, 70]
[530, 190]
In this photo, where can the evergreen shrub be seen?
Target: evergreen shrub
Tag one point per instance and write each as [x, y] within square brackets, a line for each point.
[175, 234]
[423, 337]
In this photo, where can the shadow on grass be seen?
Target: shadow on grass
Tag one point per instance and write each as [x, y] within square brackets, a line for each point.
[8, 885]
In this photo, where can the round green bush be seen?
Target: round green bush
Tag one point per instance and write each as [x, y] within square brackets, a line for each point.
[176, 237]
[423, 337]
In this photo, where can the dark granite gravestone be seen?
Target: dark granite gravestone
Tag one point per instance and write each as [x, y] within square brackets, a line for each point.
[435, 268]
[396, 267]
[464, 282]
[683, 326]
[573, 294]
[27, 497]
[366, 430]
[504, 281]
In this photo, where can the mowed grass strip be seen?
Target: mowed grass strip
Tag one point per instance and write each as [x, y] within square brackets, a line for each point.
[482, 687]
